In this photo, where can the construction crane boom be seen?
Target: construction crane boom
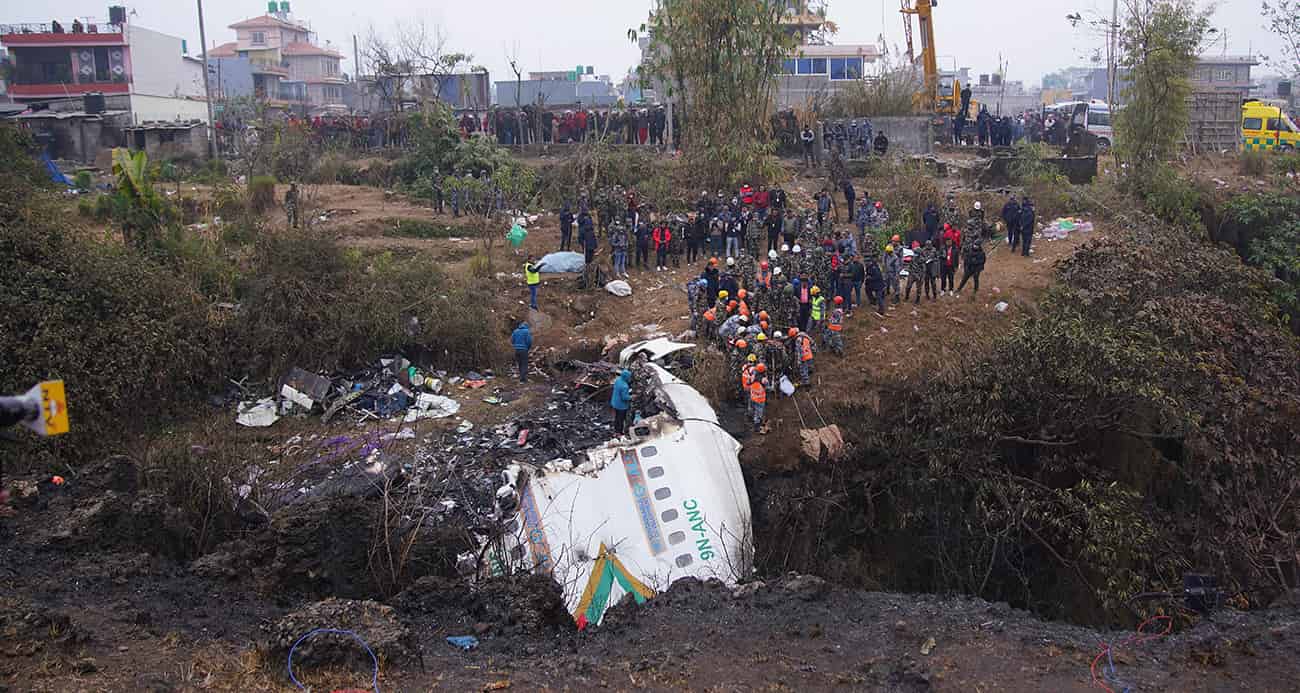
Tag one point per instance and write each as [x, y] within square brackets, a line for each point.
[933, 98]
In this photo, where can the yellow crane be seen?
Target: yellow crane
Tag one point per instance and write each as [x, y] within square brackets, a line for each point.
[937, 95]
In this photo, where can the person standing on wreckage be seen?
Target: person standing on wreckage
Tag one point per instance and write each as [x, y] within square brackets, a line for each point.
[621, 401]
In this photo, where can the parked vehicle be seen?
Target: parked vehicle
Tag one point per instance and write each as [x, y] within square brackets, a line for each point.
[1265, 127]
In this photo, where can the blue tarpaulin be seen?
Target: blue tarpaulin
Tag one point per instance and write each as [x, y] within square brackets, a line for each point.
[55, 174]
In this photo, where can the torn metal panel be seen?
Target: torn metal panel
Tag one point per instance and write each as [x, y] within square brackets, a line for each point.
[667, 501]
[657, 350]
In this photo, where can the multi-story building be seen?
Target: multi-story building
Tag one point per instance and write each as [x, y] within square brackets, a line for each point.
[1212, 74]
[142, 72]
[289, 67]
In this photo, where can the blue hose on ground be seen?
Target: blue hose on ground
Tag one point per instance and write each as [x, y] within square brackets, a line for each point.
[374, 681]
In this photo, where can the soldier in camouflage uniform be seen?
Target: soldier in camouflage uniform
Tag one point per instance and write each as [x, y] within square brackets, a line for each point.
[950, 213]
[291, 205]
[975, 226]
[695, 298]
[745, 268]
[776, 357]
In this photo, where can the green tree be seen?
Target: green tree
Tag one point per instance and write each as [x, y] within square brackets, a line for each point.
[1160, 40]
[1283, 18]
[717, 60]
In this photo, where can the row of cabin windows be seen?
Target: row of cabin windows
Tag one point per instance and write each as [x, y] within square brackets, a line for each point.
[837, 68]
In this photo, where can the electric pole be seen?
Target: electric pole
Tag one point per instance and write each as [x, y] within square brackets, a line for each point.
[1112, 65]
[207, 87]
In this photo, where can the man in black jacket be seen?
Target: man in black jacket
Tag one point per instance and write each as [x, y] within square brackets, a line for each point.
[850, 197]
[1011, 217]
[1027, 222]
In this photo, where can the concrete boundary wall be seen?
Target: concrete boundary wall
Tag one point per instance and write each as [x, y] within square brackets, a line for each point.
[907, 134]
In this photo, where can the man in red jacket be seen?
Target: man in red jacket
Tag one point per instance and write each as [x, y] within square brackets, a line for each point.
[662, 236]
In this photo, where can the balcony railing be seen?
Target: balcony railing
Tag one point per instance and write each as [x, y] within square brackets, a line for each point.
[270, 66]
[69, 28]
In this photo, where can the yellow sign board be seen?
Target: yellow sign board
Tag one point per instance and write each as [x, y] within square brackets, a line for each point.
[54, 408]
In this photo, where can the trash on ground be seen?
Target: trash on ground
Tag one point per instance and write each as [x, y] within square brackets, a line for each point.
[620, 288]
[259, 414]
[1063, 227]
[464, 642]
[822, 444]
[429, 406]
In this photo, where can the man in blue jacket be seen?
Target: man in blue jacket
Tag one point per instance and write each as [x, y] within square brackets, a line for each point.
[522, 340]
[621, 401]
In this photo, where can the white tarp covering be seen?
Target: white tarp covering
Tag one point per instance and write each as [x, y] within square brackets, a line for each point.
[618, 287]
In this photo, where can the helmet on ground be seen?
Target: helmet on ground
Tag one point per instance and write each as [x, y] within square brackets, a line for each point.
[762, 368]
[771, 254]
[793, 332]
[839, 300]
[816, 290]
[723, 294]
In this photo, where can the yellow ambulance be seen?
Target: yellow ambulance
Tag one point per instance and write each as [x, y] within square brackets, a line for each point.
[1265, 127]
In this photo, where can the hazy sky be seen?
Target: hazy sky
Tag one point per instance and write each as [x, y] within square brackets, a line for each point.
[1032, 37]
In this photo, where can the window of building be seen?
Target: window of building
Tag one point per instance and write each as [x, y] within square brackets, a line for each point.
[259, 38]
[846, 68]
[812, 66]
[102, 73]
[1224, 74]
[1252, 124]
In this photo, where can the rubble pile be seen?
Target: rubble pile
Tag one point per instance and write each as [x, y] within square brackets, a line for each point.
[390, 387]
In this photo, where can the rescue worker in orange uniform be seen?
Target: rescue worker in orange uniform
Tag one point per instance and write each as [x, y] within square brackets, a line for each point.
[803, 349]
[758, 398]
[835, 327]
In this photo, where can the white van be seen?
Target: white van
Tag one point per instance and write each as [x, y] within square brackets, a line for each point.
[1098, 119]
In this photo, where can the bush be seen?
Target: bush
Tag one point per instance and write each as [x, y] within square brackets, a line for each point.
[86, 207]
[309, 303]
[480, 266]
[1254, 163]
[1145, 432]
[83, 181]
[261, 194]
[129, 336]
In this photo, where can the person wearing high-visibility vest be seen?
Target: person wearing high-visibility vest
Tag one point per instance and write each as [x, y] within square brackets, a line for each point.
[817, 314]
[757, 392]
[747, 373]
[803, 349]
[835, 327]
[534, 279]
